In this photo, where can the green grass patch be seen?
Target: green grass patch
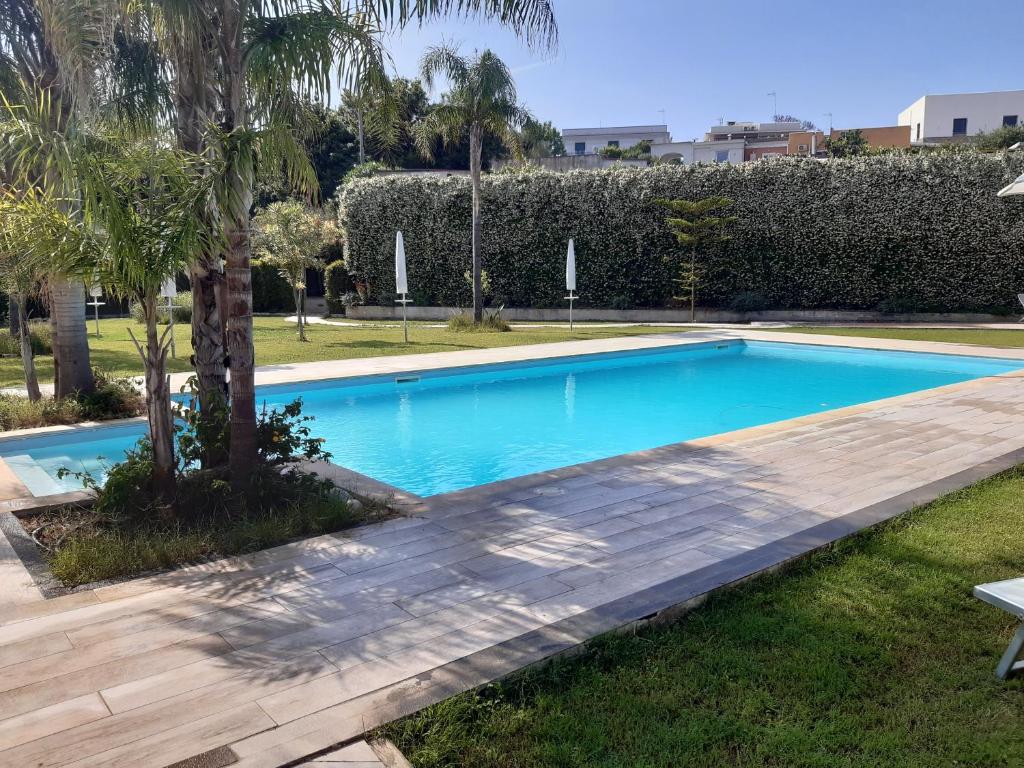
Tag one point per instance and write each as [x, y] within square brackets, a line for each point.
[873, 653]
[276, 342]
[97, 551]
[988, 337]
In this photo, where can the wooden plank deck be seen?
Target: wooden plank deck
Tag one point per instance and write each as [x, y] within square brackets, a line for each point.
[289, 652]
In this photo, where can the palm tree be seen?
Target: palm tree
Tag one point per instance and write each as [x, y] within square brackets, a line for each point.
[482, 101]
[145, 206]
[238, 66]
[49, 52]
[20, 276]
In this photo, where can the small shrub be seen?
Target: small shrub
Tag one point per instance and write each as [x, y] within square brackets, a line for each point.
[621, 301]
[338, 284]
[182, 309]
[749, 301]
[114, 398]
[493, 322]
[18, 412]
[40, 335]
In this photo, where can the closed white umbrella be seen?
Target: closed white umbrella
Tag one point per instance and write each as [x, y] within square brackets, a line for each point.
[570, 277]
[570, 267]
[169, 290]
[1015, 187]
[401, 281]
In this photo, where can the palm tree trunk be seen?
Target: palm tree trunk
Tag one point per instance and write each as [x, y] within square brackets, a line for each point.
[158, 405]
[27, 358]
[193, 95]
[475, 161]
[71, 370]
[242, 454]
[13, 326]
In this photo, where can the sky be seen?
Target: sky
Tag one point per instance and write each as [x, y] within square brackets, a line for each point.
[690, 63]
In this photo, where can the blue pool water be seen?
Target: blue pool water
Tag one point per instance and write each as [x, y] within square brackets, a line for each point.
[455, 428]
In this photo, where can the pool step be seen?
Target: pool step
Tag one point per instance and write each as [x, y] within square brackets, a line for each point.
[36, 479]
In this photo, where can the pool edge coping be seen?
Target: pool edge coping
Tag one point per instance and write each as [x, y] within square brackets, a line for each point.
[412, 504]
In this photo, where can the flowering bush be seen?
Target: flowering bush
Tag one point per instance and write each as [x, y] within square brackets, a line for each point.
[925, 231]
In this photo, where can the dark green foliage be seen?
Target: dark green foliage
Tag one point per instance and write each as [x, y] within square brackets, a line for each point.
[39, 334]
[1001, 138]
[842, 234]
[539, 139]
[283, 437]
[848, 144]
[114, 398]
[749, 301]
[639, 151]
[270, 291]
[337, 283]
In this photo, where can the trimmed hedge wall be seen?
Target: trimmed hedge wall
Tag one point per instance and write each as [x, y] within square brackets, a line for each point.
[919, 232]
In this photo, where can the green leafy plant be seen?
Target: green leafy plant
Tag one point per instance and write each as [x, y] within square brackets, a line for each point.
[492, 322]
[811, 234]
[181, 307]
[847, 144]
[338, 283]
[289, 236]
[639, 151]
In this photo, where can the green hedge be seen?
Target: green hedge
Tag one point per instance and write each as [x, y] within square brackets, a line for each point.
[917, 232]
[270, 291]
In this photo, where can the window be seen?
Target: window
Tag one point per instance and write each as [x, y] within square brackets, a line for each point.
[801, 148]
[918, 136]
[613, 143]
[581, 148]
[1009, 120]
[722, 156]
[959, 126]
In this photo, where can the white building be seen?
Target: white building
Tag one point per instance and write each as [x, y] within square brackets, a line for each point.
[581, 142]
[949, 117]
[690, 152]
[587, 141]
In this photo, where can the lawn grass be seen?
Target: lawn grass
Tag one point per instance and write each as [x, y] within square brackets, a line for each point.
[871, 654]
[988, 337]
[276, 342]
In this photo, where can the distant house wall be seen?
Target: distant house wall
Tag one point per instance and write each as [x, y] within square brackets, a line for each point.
[984, 112]
[593, 139]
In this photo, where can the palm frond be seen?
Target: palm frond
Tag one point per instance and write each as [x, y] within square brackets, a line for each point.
[533, 20]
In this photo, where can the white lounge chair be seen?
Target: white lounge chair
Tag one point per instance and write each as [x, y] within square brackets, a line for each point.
[1008, 595]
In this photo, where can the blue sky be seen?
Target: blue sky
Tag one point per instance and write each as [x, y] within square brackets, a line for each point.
[620, 63]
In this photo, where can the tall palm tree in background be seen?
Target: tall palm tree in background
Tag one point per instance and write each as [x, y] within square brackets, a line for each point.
[50, 51]
[482, 101]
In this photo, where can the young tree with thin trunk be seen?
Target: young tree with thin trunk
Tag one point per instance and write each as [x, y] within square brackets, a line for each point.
[697, 226]
[290, 236]
[482, 101]
[20, 278]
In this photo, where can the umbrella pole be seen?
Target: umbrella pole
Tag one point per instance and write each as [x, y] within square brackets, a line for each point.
[571, 299]
[404, 301]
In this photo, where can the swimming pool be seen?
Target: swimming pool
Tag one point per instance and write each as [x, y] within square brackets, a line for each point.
[452, 428]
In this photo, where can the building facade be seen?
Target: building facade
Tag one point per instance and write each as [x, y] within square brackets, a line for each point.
[587, 141]
[956, 116]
